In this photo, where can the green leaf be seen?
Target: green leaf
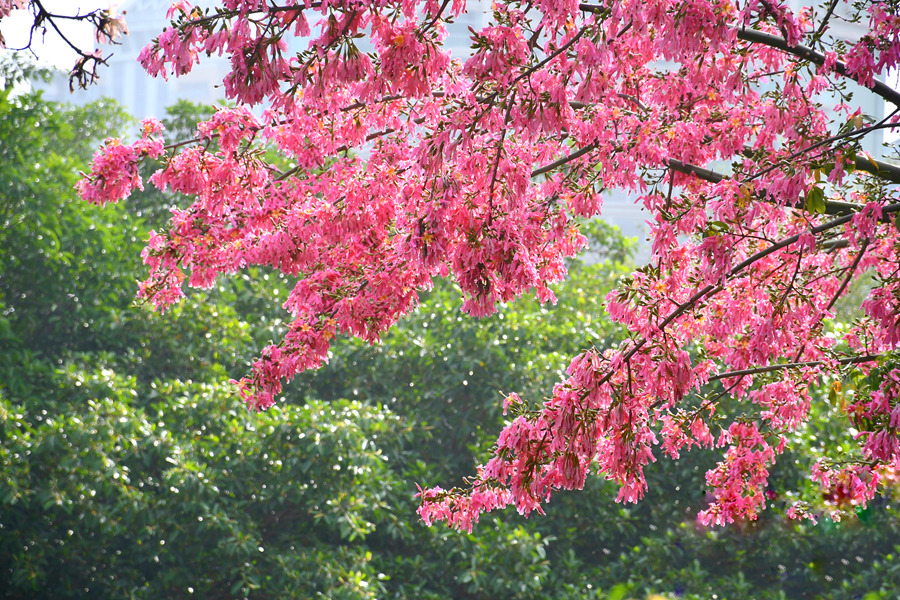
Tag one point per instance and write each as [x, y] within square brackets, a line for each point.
[618, 592]
[815, 200]
[714, 228]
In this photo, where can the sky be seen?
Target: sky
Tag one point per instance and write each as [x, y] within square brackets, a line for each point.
[49, 47]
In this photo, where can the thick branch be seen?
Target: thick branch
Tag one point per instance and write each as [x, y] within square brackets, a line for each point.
[766, 39]
[832, 207]
[758, 37]
[565, 159]
[878, 168]
[699, 172]
[794, 365]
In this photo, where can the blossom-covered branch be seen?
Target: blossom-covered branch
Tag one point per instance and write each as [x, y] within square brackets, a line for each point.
[729, 125]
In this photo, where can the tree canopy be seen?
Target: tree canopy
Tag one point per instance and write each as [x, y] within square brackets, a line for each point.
[130, 469]
[375, 162]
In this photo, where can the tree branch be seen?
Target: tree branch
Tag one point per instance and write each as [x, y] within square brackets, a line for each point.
[800, 51]
[766, 39]
[794, 365]
[711, 290]
[827, 16]
[878, 168]
[850, 272]
[832, 207]
[566, 159]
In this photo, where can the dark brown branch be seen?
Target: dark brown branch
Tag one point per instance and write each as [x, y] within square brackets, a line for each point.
[437, 17]
[500, 147]
[832, 207]
[824, 24]
[43, 15]
[699, 172]
[890, 208]
[858, 134]
[228, 14]
[794, 365]
[711, 290]
[758, 37]
[849, 276]
[566, 159]
[878, 168]
[549, 58]
[369, 138]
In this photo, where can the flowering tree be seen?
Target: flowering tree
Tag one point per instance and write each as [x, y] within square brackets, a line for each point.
[108, 26]
[731, 123]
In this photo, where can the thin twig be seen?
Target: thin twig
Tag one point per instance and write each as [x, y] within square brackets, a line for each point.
[862, 250]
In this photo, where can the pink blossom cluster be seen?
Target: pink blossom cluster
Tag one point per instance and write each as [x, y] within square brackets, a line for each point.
[404, 165]
[877, 419]
[114, 172]
[852, 485]
[7, 6]
[739, 481]
[879, 50]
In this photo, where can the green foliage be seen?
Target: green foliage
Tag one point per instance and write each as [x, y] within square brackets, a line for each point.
[70, 270]
[128, 470]
[121, 477]
[114, 492]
